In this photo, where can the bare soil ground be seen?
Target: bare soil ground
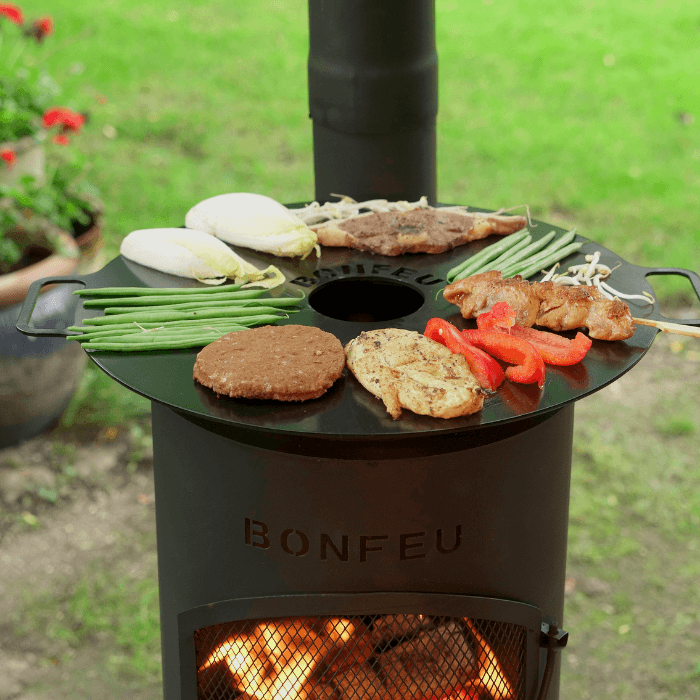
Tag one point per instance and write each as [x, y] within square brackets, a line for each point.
[77, 502]
[104, 513]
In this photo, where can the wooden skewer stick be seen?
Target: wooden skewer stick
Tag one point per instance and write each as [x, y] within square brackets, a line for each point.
[677, 328]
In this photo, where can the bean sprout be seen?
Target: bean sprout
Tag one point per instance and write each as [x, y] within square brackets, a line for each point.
[550, 274]
[148, 330]
[592, 273]
[644, 296]
[347, 207]
[566, 280]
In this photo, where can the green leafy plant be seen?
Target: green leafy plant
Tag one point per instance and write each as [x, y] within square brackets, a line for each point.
[33, 214]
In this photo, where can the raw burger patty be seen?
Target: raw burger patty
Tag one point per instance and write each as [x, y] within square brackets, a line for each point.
[284, 363]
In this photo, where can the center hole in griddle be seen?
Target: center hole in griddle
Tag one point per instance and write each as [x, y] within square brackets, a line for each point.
[365, 300]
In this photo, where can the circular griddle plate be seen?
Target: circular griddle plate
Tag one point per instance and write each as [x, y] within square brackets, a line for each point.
[348, 410]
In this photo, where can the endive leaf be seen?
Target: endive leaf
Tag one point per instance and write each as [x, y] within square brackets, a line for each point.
[253, 221]
[195, 255]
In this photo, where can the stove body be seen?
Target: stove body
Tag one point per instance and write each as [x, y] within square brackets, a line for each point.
[264, 527]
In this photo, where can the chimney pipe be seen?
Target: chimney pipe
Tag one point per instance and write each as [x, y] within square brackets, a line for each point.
[373, 98]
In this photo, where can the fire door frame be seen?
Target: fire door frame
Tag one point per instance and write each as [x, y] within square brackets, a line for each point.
[513, 612]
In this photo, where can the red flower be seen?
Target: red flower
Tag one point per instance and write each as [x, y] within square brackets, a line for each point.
[8, 156]
[12, 12]
[64, 117]
[67, 120]
[41, 28]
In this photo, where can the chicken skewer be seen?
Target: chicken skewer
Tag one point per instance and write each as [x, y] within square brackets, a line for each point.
[544, 304]
[592, 272]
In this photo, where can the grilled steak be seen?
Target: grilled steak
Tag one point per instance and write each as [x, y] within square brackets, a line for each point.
[415, 231]
[407, 370]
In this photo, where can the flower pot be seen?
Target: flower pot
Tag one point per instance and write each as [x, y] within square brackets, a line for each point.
[30, 160]
[38, 376]
[91, 245]
[14, 285]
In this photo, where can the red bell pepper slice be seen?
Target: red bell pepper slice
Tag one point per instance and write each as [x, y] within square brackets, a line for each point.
[485, 369]
[527, 365]
[553, 349]
[501, 316]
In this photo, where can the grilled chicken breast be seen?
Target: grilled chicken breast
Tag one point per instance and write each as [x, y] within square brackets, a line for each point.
[407, 370]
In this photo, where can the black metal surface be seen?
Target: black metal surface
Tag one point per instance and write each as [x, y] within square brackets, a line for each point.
[348, 410]
[373, 98]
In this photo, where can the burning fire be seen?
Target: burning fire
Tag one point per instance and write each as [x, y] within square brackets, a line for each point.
[396, 657]
[491, 677]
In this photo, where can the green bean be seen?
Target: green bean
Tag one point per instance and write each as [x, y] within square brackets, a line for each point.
[150, 337]
[540, 262]
[153, 300]
[529, 251]
[560, 242]
[157, 338]
[514, 250]
[177, 322]
[89, 335]
[132, 340]
[138, 347]
[489, 253]
[195, 305]
[184, 306]
[564, 240]
[260, 319]
[144, 291]
[160, 331]
[179, 315]
[483, 256]
[148, 318]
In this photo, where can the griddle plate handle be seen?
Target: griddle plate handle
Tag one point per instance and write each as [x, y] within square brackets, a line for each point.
[25, 313]
[691, 276]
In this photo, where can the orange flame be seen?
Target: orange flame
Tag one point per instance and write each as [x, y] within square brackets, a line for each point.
[277, 661]
[235, 647]
[491, 676]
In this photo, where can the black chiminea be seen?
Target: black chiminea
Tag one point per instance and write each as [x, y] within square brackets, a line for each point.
[323, 550]
[334, 560]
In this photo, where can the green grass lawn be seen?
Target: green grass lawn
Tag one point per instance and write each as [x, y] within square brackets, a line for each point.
[587, 112]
